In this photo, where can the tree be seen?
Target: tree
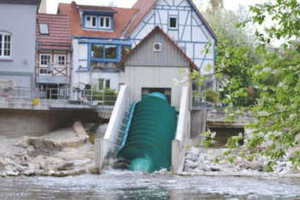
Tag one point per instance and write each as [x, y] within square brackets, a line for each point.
[216, 4]
[236, 56]
[277, 79]
[280, 19]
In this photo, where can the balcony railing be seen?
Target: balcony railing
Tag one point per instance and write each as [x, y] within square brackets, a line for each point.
[53, 73]
[58, 96]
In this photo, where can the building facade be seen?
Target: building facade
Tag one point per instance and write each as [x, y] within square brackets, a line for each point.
[183, 22]
[157, 64]
[97, 43]
[18, 41]
[103, 35]
[54, 52]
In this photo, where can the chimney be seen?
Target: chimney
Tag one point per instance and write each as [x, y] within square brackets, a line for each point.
[43, 6]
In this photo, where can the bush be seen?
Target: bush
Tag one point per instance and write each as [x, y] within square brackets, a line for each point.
[106, 97]
[212, 96]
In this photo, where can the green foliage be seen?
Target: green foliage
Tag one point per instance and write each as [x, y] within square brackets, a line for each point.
[209, 139]
[279, 18]
[106, 97]
[260, 79]
[269, 167]
[295, 158]
[234, 141]
[277, 78]
[212, 96]
[236, 56]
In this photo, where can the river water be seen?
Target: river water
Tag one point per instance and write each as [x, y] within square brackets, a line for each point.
[116, 185]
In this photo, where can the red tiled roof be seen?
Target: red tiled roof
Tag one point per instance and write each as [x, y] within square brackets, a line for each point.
[154, 31]
[122, 18]
[59, 36]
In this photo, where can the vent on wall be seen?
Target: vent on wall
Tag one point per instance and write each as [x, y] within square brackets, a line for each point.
[157, 46]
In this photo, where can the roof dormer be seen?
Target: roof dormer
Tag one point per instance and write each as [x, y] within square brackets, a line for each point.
[102, 20]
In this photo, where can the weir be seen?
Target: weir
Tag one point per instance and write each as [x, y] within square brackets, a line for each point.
[155, 136]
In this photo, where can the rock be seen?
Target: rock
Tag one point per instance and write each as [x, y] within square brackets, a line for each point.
[2, 163]
[252, 197]
[79, 129]
[65, 166]
[43, 146]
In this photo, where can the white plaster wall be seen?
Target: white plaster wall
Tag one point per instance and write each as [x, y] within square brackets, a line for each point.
[81, 78]
[137, 78]
[113, 77]
[192, 34]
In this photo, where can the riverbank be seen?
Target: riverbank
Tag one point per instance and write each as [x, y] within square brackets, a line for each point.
[61, 153]
[214, 162]
[69, 152]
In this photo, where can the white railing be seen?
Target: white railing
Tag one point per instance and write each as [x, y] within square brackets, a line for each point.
[183, 124]
[107, 146]
[182, 131]
[50, 96]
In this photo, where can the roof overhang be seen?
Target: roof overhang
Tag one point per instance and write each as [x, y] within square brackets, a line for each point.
[157, 29]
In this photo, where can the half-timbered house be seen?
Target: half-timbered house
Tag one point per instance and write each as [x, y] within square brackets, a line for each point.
[103, 35]
[54, 52]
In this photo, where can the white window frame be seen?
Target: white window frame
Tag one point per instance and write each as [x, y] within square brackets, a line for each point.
[2, 49]
[104, 83]
[44, 29]
[169, 22]
[105, 18]
[45, 54]
[89, 24]
[56, 59]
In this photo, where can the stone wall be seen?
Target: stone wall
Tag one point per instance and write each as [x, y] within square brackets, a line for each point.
[198, 122]
[15, 123]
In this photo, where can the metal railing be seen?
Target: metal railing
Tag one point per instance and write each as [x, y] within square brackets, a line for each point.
[61, 96]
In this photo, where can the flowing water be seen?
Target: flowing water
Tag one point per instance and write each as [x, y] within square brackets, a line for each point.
[116, 185]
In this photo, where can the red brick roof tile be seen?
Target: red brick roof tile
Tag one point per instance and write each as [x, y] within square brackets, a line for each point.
[122, 18]
[59, 36]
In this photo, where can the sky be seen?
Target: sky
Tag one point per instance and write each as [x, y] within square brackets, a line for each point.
[229, 4]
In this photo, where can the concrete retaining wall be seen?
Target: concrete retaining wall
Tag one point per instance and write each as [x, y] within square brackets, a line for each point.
[16, 123]
[106, 147]
[182, 133]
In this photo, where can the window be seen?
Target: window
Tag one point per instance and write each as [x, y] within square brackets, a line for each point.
[100, 51]
[60, 59]
[157, 46]
[104, 84]
[99, 22]
[105, 22]
[5, 45]
[110, 52]
[173, 22]
[45, 60]
[44, 29]
[91, 21]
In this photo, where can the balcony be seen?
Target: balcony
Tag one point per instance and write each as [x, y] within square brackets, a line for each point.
[58, 98]
[53, 74]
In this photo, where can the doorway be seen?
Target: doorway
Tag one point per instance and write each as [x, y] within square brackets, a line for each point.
[165, 91]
